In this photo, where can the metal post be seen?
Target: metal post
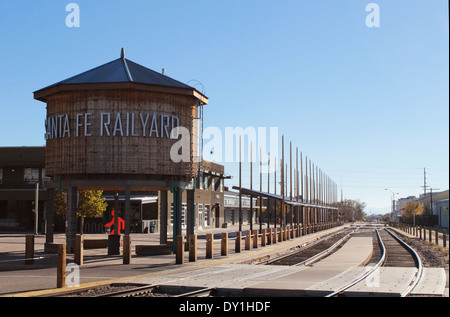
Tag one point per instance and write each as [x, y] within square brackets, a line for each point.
[50, 215]
[163, 216]
[240, 185]
[36, 208]
[127, 209]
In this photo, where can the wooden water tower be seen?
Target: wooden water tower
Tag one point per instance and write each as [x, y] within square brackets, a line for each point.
[113, 127]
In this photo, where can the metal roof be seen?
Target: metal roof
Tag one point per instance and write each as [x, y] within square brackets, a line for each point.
[122, 71]
[287, 200]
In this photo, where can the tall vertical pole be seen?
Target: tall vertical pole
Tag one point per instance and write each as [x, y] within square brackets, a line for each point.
[240, 185]
[268, 191]
[127, 209]
[282, 179]
[251, 186]
[290, 170]
[36, 208]
[275, 219]
[290, 180]
[296, 168]
[260, 189]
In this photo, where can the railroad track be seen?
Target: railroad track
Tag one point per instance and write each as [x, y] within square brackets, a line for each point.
[312, 252]
[394, 253]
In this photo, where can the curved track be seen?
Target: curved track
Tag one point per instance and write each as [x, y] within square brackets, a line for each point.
[392, 252]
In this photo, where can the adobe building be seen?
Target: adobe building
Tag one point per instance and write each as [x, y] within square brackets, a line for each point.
[113, 128]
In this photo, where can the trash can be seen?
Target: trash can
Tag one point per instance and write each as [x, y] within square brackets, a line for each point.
[113, 245]
[152, 228]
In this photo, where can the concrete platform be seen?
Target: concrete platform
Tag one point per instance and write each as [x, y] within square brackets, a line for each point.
[387, 281]
[322, 277]
[432, 282]
[269, 280]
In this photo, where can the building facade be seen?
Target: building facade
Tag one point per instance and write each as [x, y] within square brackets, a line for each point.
[23, 168]
[22, 176]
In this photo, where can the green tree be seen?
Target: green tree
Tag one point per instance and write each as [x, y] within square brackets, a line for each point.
[90, 204]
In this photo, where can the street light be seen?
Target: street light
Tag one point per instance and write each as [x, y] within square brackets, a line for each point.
[393, 200]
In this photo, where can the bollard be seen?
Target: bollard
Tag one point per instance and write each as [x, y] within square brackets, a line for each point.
[209, 246]
[224, 244]
[126, 249]
[444, 237]
[424, 234]
[192, 248]
[263, 237]
[248, 236]
[420, 232]
[274, 235]
[437, 237]
[29, 249]
[269, 236]
[255, 239]
[430, 236]
[237, 245]
[78, 249]
[179, 250]
[61, 268]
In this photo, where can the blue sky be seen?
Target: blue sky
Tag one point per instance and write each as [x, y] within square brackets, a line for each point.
[369, 106]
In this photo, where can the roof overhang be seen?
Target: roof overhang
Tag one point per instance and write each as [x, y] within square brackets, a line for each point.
[45, 93]
[287, 200]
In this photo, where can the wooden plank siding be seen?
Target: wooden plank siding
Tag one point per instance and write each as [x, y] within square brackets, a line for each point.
[138, 155]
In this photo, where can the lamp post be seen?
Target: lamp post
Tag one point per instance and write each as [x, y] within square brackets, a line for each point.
[393, 201]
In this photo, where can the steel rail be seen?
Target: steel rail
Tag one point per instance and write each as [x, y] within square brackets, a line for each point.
[204, 292]
[305, 247]
[130, 292]
[418, 261]
[367, 273]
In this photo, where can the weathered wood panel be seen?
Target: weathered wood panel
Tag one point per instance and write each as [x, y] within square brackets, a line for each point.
[117, 132]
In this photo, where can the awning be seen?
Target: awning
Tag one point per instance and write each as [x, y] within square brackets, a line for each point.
[287, 200]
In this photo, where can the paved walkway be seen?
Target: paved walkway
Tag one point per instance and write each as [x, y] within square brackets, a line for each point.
[98, 267]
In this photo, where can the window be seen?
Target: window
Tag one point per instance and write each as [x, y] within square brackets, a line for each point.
[1, 175]
[31, 175]
[207, 215]
[205, 182]
[183, 215]
[200, 182]
[200, 215]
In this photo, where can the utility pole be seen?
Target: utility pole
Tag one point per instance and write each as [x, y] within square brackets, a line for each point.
[424, 181]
